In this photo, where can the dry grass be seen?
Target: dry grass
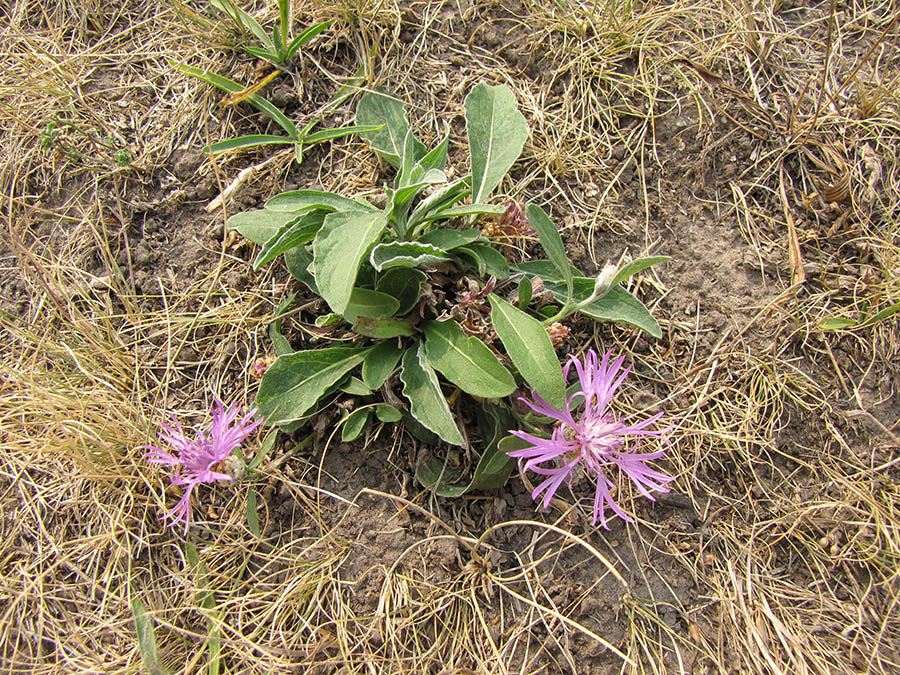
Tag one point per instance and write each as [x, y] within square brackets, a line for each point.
[759, 128]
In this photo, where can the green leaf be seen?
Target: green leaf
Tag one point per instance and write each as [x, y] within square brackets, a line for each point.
[370, 304]
[494, 465]
[243, 20]
[405, 254]
[281, 30]
[338, 250]
[406, 192]
[464, 210]
[525, 292]
[297, 200]
[382, 329]
[266, 54]
[488, 260]
[294, 233]
[497, 134]
[298, 260]
[435, 476]
[376, 108]
[252, 518]
[250, 141]
[305, 37]
[380, 363]
[255, 100]
[437, 157]
[617, 305]
[547, 271]
[354, 424]
[552, 243]
[330, 319]
[635, 266]
[260, 225]
[387, 413]
[295, 382]
[448, 239]
[528, 345]
[427, 402]
[466, 361]
[266, 447]
[339, 132]
[143, 624]
[621, 306]
[355, 387]
[440, 199]
[404, 284]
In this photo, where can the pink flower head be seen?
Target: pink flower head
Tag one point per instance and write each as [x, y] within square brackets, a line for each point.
[198, 461]
[596, 439]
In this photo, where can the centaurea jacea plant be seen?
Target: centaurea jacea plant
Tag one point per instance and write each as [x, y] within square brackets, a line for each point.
[201, 460]
[594, 439]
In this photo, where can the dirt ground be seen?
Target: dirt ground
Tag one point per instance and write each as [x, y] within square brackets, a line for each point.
[754, 143]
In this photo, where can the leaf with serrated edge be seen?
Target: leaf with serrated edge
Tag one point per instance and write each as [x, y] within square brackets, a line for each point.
[497, 133]
[295, 382]
[528, 345]
[427, 402]
[466, 361]
[338, 250]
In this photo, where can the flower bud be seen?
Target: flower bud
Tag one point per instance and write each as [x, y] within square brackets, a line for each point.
[604, 281]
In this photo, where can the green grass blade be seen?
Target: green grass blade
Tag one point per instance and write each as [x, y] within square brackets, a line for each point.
[305, 37]
[340, 132]
[255, 100]
[245, 142]
[143, 624]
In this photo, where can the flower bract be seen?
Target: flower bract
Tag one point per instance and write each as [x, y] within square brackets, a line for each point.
[587, 434]
[200, 460]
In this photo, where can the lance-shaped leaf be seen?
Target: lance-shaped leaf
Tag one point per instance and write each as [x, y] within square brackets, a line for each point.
[259, 225]
[448, 239]
[427, 402]
[339, 249]
[497, 133]
[466, 361]
[552, 243]
[295, 382]
[377, 108]
[617, 305]
[487, 260]
[288, 236]
[383, 329]
[528, 345]
[405, 254]
[297, 200]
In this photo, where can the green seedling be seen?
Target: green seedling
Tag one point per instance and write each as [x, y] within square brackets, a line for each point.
[278, 48]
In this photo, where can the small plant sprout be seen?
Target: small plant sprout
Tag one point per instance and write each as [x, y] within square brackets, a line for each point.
[594, 439]
[204, 459]
[278, 48]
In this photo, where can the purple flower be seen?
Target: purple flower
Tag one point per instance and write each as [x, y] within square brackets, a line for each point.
[199, 461]
[596, 439]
